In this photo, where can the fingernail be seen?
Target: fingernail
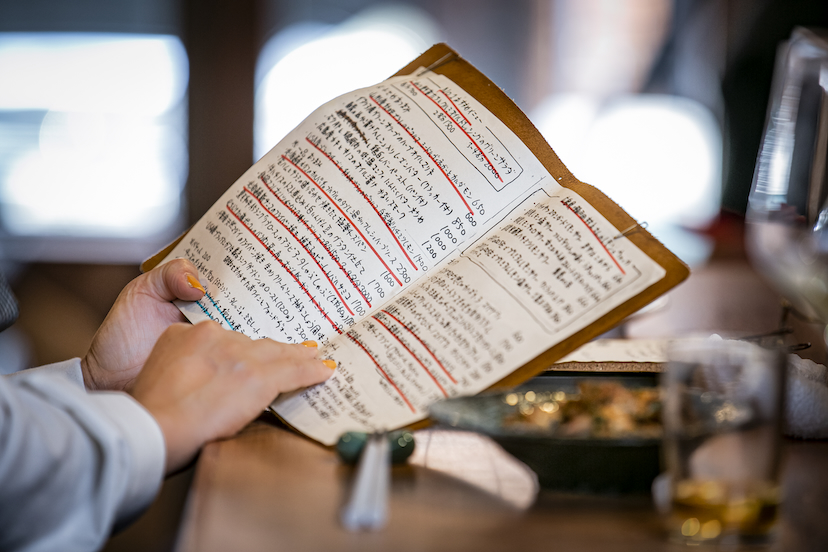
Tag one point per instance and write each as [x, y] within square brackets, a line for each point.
[310, 343]
[195, 283]
[330, 363]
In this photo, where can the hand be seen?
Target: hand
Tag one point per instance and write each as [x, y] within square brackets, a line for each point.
[202, 383]
[141, 313]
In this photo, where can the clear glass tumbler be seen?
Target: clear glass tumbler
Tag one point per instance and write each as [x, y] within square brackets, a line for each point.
[787, 219]
[722, 426]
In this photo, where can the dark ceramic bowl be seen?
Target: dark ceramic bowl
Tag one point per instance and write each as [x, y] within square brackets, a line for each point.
[585, 464]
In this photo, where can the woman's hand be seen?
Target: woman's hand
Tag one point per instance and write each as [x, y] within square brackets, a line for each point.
[203, 383]
[141, 313]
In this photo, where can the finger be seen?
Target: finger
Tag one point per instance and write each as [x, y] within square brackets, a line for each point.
[298, 377]
[177, 279]
[268, 350]
[284, 375]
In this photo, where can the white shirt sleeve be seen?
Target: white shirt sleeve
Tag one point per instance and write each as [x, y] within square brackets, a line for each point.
[73, 463]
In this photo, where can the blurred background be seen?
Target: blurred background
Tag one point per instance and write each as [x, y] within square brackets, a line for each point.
[122, 121]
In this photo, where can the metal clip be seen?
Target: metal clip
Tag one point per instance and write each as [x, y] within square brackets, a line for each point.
[442, 61]
[632, 230]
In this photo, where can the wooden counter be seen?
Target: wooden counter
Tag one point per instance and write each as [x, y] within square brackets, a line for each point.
[270, 489]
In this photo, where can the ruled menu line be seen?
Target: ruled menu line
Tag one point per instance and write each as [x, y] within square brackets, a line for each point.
[290, 272]
[426, 347]
[410, 352]
[455, 105]
[302, 245]
[344, 214]
[436, 164]
[301, 219]
[611, 256]
[486, 157]
[365, 196]
[384, 374]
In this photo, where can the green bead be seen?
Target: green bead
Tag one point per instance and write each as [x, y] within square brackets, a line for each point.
[401, 444]
[350, 445]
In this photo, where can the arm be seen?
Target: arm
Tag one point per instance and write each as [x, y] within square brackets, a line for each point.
[199, 382]
[72, 463]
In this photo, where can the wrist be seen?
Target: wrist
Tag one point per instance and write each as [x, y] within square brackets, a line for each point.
[181, 446]
[88, 381]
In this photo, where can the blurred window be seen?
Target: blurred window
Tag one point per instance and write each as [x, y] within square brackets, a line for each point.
[657, 156]
[92, 142]
[305, 65]
[654, 152]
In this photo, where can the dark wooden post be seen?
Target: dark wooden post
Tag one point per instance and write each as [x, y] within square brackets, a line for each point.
[220, 37]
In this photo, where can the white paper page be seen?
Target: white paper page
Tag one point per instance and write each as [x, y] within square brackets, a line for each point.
[620, 350]
[542, 276]
[374, 189]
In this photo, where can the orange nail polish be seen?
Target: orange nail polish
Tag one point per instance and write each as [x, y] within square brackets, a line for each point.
[195, 283]
[310, 343]
[330, 363]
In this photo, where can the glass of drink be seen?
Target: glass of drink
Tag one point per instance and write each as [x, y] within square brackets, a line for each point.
[722, 425]
[787, 219]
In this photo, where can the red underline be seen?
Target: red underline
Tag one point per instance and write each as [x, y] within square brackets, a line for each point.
[364, 239]
[269, 212]
[455, 106]
[409, 330]
[458, 126]
[394, 385]
[318, 239]
[364, 195]
[437, 383]
[596, 237]
[463, 199]
[286, 269]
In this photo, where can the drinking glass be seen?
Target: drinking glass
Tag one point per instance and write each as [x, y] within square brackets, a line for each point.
[722, 425]
[787, 218]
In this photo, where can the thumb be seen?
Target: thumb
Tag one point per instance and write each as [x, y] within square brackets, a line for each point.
[176, 279]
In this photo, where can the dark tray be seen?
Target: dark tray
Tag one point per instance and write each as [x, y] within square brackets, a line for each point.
[605, 465]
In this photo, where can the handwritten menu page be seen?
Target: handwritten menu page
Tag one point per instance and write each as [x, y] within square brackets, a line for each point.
[620, 350]
[540, 277]
[370, 192]
[417, 238]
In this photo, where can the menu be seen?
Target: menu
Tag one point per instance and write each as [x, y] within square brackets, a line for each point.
[417, 236]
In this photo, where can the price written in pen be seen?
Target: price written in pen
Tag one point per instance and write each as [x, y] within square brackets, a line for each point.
[448, 236]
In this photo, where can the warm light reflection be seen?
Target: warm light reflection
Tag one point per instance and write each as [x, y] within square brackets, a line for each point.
[690, 527]
[711, 529]
[549, 407]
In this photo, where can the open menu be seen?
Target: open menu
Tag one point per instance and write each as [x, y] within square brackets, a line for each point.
[426, 236]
